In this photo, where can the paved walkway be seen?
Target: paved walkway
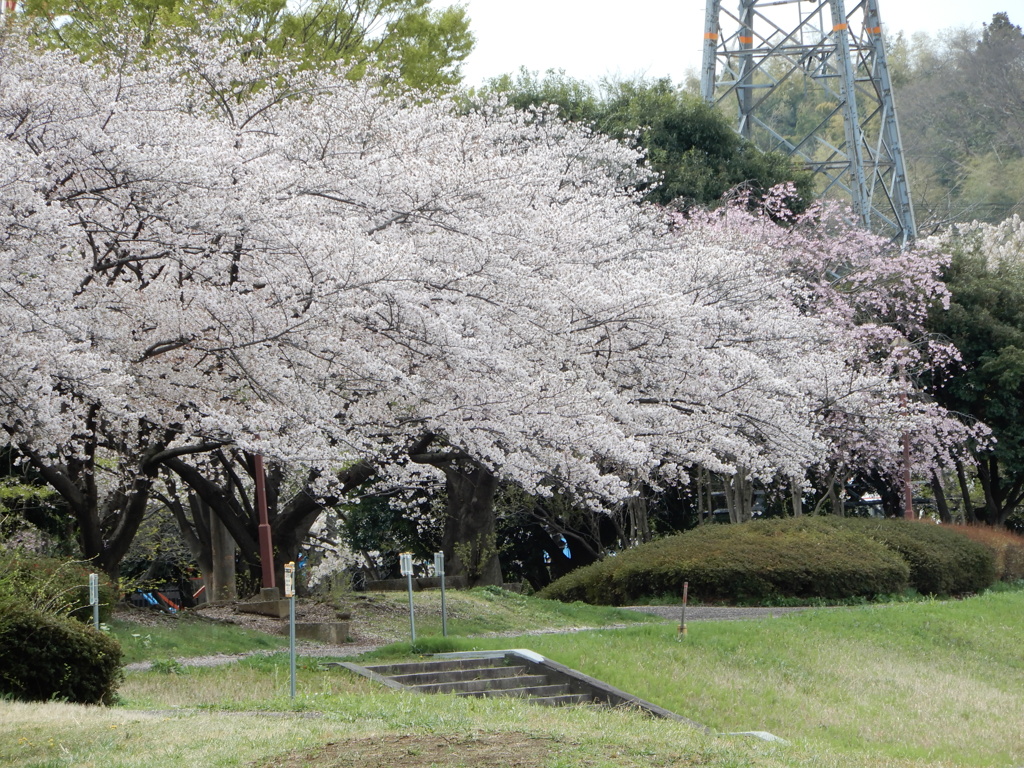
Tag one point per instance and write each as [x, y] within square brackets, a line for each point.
[713, 613]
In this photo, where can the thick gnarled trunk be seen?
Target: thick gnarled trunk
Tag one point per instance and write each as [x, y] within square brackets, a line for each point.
[470, 536]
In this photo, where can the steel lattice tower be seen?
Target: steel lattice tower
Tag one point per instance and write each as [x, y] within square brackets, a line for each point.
[836, 60]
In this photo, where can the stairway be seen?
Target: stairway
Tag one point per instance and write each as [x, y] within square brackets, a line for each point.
[481, 676]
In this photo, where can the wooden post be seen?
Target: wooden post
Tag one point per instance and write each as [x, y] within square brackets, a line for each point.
[682, 617]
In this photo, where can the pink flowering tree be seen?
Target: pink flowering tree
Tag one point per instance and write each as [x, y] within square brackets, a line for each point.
[877, 299]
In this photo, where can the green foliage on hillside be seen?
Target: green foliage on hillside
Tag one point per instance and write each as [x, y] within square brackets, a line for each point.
[425, 45]
[960, 107]
[805, 558]
[50, 585]
[693, 148]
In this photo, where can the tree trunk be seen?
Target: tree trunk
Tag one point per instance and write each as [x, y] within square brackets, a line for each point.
[739, 496]
[796, 492]
[702, 489]
[470, 527]
[228, 497]
[835, 499]
[107, 516]
[940, 499]
[222, 585]
[965, 492]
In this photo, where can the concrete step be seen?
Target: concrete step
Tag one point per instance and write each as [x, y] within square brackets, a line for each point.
[446, 665]
[566, 700]
[526, 692]
[458, 675]
[559, 685]
[498, 685]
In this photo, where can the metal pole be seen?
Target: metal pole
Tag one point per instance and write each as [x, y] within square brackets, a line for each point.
[289, 592]
[439, 569]
[708, 66]
[291, 638]
[851, 118]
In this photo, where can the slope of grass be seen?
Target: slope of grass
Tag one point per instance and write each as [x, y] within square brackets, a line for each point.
[185, 636]
[381, 616]
[933, 681]
[908, 685]
[484, 609]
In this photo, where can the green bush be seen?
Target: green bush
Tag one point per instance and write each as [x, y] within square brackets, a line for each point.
[759, 561]
[44, 657]
[942, 562]
[53, 586]
[804, 558]
[1006, 547]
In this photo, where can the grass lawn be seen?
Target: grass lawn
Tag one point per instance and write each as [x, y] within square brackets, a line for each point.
[188, 637]
[913, 684]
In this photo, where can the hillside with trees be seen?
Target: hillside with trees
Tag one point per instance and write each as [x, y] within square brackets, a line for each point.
[960, 98]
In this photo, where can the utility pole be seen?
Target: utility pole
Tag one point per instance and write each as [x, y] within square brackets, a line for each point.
[835, 58]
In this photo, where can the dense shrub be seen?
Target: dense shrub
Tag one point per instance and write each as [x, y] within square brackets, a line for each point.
[44, 657]
[758, 561]
[809, 557]
[1006, 547]
[941, 562]
[52, 586]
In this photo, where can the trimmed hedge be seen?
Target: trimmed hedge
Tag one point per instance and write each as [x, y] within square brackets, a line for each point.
[45, 657]
[52, 585]
[756, 561]
[810, 557]
[941, 561]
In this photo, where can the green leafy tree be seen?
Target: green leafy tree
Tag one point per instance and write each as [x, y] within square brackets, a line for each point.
[985, 320]
[694, 148]
[424, 45]
[28, 505]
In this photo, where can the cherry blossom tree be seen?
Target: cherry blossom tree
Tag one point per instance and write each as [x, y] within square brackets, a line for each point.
[219, 254]
[878, 299]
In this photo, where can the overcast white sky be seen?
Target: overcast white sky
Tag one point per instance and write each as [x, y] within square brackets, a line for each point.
[590, 39]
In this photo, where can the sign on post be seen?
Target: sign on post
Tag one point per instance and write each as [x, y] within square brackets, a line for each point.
[405, 566]
[94, 598]
[289, 579]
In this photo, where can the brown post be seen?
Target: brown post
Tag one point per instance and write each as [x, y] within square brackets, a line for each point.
[266, 546]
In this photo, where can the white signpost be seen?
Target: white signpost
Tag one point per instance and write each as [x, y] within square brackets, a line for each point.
[289, 592]
[405, 565]
[94, 598]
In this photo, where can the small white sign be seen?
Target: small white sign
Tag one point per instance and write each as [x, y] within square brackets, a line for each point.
[94, 589]
[439, 563]
[289, 579]
[405, 563]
